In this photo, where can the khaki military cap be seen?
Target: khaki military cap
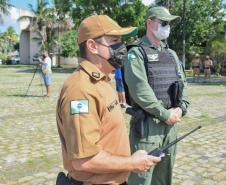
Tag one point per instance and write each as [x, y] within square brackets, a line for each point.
[161, 13]
[98, 25]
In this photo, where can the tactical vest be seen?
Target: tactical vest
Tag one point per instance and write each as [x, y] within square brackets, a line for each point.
[162, 72]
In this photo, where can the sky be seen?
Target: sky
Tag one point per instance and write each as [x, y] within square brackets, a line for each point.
[11, 20]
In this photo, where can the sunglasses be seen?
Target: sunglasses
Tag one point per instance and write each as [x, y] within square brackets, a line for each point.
[163, 23]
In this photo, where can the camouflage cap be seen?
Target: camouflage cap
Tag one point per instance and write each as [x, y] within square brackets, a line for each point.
[161, 13]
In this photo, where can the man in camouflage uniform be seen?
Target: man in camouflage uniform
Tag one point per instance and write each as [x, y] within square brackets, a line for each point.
[151, 73]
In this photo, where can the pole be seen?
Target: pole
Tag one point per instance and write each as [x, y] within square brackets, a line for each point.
[184, 32]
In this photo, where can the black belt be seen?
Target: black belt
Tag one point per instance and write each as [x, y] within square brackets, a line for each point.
[76, 182]
[195, 67]
[207, 67]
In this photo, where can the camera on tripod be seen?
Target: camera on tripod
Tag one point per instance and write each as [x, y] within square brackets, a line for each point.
[37, 57]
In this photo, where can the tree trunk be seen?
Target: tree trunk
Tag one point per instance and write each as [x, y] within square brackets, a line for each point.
[184, 32]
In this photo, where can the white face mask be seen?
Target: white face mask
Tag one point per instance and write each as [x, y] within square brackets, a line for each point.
[162, 32]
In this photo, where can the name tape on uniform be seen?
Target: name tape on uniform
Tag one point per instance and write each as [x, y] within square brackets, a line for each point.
[153, 57]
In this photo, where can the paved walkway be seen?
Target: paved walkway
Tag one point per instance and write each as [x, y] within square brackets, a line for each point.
[30, 151]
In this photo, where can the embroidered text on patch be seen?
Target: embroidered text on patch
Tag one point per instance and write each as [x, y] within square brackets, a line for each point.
[153, 57]
[79, 106]
[112, 105]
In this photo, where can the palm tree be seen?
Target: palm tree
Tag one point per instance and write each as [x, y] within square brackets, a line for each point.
[2, 42]
[4, 9]
[11, 37]
[38, 20]
[61, 9]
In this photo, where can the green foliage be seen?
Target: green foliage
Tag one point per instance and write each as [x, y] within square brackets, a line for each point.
[68, 44]
[218, 48]
[8, 39]
[4, 9]
[203, 21]
[39, 20]
[126, 14]
[3, 56]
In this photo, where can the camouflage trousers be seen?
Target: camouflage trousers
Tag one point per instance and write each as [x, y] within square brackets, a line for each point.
[157, 134]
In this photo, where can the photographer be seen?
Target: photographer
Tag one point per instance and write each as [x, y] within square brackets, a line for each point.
[45, 64]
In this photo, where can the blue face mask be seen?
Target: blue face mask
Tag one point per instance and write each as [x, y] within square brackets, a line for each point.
[118, 54]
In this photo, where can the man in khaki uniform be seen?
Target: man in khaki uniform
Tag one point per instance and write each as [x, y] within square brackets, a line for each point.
[208, 63]
[196, 67]
[90, 123]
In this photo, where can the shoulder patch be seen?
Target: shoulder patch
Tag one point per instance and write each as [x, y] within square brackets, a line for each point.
[131, 56]
[96, 75]
[79, 107]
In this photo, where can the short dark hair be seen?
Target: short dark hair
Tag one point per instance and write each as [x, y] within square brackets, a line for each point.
[82, 47]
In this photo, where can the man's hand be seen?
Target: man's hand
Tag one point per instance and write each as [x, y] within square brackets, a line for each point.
[175, 116]
[142, 161]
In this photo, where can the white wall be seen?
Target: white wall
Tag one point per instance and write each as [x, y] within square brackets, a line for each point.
[34, 46]
[73, 61]
[24, 47]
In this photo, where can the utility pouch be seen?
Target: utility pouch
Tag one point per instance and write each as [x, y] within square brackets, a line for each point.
[175, 92]
[45, 71]
[62, 179]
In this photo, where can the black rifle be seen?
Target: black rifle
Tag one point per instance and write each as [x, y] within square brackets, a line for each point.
[160, 152]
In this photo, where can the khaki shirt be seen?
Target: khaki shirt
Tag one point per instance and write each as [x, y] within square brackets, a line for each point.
[196, 62]
[89, 119]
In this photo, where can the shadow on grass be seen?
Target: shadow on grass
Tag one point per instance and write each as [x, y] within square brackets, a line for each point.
[64, 69]
[14, 66]
[216, 81]
[219, 83]
[26, 96]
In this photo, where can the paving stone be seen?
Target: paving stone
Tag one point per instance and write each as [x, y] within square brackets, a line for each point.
[30, 142]
[25, 179]
[220, 176]
[188, 182]
[208, 182]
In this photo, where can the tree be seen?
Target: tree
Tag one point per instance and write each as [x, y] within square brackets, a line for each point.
[4, 9]
[62, 21]
[204, 19]
[126, 13]
[68, 44]
[38, 21]
[11, 37]
[2, 42]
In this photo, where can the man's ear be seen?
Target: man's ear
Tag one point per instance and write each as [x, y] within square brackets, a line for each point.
[91, 46]
[148, 22]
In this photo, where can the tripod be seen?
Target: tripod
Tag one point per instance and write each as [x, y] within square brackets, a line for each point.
[37, 66]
